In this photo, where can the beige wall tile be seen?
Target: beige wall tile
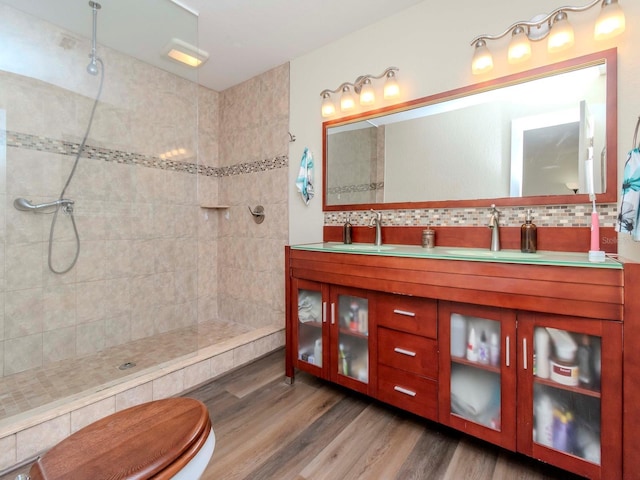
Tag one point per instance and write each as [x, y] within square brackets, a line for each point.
[22, 353]
[169, 385]
[90, 337]
[134, 396]
[33, 440]
[58, 344]
[222, 363]
[23, 313]
[7, 452]
[91, 413]
[197, 373]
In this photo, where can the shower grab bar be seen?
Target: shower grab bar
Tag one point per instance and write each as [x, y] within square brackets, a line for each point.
[26, 206]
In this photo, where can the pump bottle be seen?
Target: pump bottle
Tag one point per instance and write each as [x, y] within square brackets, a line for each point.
[346, 232]
[528, 235]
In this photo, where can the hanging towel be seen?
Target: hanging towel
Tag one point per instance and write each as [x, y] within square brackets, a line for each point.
[630, 197]
[304, 182]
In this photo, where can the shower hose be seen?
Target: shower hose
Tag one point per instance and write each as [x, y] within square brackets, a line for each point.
[68, 208]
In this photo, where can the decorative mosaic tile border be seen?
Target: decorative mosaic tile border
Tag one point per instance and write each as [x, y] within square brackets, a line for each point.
[543, 216]
[61, 147]
[364, 187]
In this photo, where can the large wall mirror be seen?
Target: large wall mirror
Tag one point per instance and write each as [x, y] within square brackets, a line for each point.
[541, 137]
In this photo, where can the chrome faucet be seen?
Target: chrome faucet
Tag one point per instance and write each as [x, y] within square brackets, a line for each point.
[376, 221]
[494, 225]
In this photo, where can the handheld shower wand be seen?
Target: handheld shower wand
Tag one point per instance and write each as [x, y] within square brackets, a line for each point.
[92, 68]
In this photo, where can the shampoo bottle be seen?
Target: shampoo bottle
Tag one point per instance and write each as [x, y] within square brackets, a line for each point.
[528, 235]
[346, 232]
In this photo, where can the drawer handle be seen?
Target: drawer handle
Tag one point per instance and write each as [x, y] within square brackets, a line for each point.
[405, 391]
[404, 312]
[408, 353]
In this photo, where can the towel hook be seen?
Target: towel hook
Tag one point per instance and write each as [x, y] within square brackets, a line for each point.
[635, 135]
[292, 137]
[258, 214]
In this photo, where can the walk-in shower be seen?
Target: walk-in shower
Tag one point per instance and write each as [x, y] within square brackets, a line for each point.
[160, 282]
[66, 205]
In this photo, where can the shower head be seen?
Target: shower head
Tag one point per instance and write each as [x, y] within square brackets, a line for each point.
[92, 68]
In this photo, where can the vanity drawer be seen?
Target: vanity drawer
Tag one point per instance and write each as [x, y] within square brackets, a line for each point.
[408, 391]
[409, 314]
[408, 352]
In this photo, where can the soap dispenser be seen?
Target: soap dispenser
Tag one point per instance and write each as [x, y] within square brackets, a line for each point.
[346, 232]
[528, 235]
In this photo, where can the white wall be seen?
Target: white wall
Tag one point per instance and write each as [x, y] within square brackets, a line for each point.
[425, 42]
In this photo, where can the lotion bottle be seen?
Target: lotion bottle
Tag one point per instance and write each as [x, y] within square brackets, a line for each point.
[528, 235]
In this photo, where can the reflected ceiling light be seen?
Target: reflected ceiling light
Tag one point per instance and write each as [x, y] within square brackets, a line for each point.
[182, 52]
[555, 26]
[362, 87]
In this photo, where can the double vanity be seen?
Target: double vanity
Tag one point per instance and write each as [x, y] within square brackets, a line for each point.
[522, 350]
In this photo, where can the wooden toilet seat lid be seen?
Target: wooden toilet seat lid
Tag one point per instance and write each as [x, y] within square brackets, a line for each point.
[152, 440]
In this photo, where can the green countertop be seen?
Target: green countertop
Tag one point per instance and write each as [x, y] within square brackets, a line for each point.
[568, 259]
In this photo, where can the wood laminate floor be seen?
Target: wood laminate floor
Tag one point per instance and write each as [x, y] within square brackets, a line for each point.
[267, 429]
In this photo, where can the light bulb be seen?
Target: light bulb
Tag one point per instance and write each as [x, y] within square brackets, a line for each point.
[391, 87]
[561, 35]
[610, 22]
[482, 60]
[367, 95]
[346, 100]
[519, 47]
[328, 108]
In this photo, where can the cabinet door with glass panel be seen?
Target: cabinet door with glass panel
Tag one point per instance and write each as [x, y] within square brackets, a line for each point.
[569, 393]
[478, 371]
[351, 345]
[311, 312]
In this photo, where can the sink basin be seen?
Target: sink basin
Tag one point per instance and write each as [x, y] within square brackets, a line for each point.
[506, 254]
[362, 247]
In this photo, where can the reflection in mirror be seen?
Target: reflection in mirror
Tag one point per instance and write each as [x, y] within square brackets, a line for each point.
[523, 139]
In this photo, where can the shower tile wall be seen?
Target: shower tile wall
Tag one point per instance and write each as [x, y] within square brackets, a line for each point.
[147, 252]
[254, 138]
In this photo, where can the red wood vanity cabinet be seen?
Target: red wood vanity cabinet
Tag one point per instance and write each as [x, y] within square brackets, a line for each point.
[413, 365]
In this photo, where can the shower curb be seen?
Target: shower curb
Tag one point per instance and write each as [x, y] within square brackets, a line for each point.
[22, 439]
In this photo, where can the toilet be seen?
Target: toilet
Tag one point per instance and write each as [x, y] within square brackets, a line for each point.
[163, 439]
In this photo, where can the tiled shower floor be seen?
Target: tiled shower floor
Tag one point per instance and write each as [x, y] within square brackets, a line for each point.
[34, 388]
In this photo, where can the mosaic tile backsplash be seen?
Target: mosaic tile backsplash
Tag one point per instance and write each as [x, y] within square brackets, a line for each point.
[543, 216]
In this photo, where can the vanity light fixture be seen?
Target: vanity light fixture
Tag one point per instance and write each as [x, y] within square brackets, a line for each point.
[362, 87]
[182, 52]
[555, 26]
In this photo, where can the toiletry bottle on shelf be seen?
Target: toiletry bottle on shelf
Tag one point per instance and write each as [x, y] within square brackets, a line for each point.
[317, 352]
[528, 235]
[472, 348]
[541, 348]
[494, 350]
[584, 362]
[346, 232]
[483, 349]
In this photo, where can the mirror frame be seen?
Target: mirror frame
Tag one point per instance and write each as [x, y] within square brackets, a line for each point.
[608, 57]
